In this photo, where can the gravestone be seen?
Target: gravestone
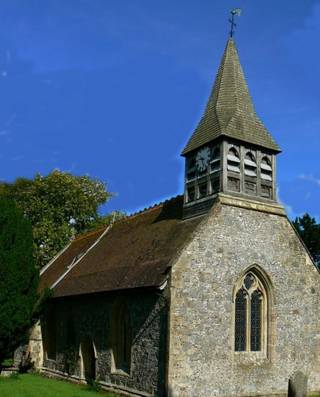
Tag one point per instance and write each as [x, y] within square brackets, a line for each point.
[298, 385]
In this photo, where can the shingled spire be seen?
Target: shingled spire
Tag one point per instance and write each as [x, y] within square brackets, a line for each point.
[230, 111]
[231, 152]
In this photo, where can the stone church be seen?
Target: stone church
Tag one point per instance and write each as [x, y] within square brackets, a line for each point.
[211, 293]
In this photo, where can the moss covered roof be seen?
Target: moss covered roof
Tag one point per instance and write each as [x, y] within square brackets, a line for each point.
[136, 252]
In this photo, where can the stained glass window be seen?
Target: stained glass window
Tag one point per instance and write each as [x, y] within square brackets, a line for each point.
[256, 321]
[250, 310]
[241, 321]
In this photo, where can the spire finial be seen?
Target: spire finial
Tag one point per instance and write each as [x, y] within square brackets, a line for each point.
[234, 12]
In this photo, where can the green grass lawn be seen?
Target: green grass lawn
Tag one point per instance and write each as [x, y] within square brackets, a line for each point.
[37, 386]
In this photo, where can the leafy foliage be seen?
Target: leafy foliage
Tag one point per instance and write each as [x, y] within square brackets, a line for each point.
[107, 219]
[93, 385]
[309, 230]
[18, 278]
[58, 206]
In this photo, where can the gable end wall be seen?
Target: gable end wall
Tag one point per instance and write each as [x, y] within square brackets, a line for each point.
[202, 361]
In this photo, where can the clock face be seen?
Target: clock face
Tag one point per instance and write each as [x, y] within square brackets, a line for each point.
[202, 159]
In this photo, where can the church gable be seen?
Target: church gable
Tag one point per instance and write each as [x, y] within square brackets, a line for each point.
[244, 306]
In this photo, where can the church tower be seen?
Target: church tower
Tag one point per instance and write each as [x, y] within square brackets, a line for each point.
[230, 151]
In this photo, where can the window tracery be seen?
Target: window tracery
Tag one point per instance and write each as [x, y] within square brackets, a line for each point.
[250, 314]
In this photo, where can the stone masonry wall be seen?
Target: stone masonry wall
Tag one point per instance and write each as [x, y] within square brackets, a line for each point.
[35, 346]
[91, 316]
[202, 361]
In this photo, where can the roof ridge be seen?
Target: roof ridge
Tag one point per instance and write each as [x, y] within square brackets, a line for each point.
[153, 207]
[89, 233]
[128, 217]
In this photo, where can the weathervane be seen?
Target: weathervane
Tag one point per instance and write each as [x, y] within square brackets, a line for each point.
[234, 12]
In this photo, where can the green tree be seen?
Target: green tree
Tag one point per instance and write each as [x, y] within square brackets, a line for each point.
[18, 278]
[58, 206]
[309, 231]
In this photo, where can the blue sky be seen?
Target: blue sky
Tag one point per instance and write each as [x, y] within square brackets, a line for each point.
[114, 89]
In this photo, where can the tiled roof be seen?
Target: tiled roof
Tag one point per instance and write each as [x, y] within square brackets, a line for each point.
[230, 111]
[136, 252]
[67, 257]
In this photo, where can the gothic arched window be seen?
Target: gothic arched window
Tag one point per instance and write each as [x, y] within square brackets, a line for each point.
[250, 165]
[121, 337]
[251, 314]
[266, 169]
[233, 160]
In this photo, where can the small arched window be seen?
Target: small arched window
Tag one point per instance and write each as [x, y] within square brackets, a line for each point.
[251, 314]
[121, 337]
[250, 165]
[233, 160]
[266, 169]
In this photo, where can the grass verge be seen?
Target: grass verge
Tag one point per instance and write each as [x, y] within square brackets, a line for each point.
[30, 385]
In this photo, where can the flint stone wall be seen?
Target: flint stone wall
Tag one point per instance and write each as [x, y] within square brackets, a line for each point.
[32, 352]
[202, 361]
[35, 346]
[91, 316]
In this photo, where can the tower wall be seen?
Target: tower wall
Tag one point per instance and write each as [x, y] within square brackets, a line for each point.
[202, 359]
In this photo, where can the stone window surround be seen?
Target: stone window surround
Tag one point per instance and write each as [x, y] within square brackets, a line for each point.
[264, 355]
[81, 359]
